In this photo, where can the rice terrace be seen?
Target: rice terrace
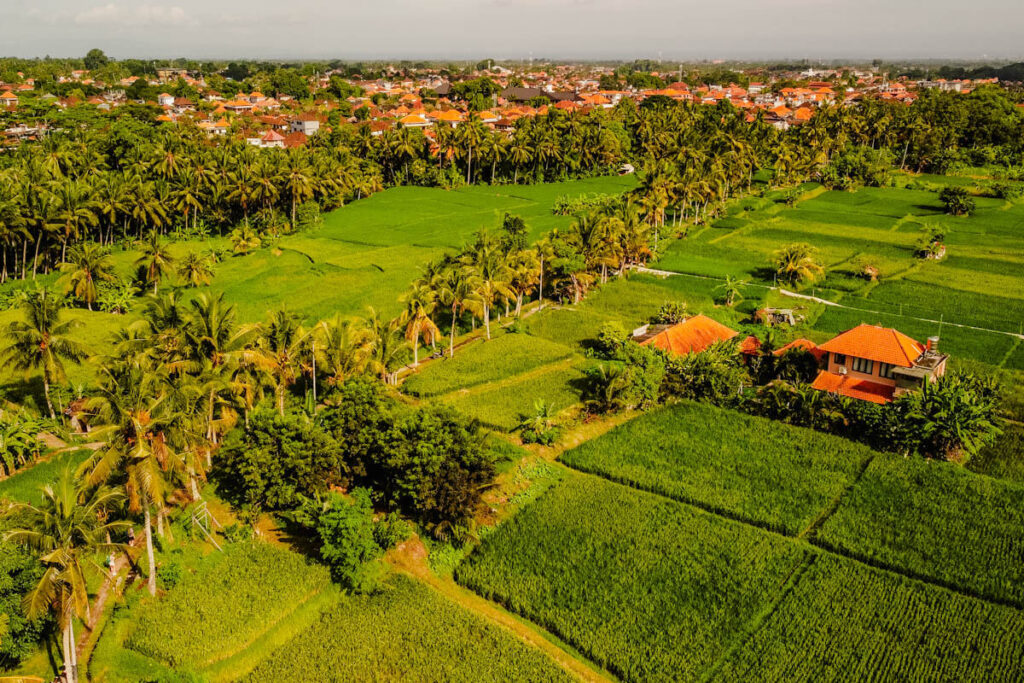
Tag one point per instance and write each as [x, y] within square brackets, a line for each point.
[520, 369]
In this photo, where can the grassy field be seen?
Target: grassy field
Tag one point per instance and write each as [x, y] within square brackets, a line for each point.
[980, 283]
[363, 255]
[769, 473]
[844, 622]
[488, 361]
[408, 632]
[502, 405]
[24, 486]
[646, 587]
[225, 607]
[938, 521]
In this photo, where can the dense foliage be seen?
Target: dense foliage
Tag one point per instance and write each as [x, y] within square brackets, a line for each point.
[19, 574]
[429, 463]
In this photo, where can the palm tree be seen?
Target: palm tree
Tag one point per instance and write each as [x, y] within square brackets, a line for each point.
[156, 258]
[140, 452]
[41, 341]
[277, 353]
[386, 344]
[492, 273]
[796, 263]
[420, 303]
[66, 530]
[298, 182]
[732, 288]
[88, 264]
[195, 269]
[343, 349]
[458, 291]
[73, 211]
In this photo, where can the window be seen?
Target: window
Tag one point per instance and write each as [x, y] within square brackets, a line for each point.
[863, 365]
[838, 359]
[885, 370]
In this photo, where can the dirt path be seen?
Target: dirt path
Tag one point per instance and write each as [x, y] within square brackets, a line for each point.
[410, 558]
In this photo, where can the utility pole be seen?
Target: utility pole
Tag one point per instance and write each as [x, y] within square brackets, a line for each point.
[314, 376]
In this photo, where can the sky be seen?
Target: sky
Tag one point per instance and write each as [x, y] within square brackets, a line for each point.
[517, 29]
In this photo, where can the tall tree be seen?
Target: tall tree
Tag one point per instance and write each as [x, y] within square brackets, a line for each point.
[41, 341]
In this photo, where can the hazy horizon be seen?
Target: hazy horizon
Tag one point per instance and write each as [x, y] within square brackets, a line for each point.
[739, 30]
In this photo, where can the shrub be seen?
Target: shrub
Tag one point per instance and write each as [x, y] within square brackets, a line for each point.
[347, 540]
[957, 200]
[611, 339]
[670, 313]
[391, 531]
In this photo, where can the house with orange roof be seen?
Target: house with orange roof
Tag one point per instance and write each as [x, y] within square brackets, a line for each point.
[414, 121]
[451, 117]
[165, 99]
[878, 364]
[272, 139]
[9, 99]
[693, 335]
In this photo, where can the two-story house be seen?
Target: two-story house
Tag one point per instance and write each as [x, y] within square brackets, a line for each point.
[878, 364]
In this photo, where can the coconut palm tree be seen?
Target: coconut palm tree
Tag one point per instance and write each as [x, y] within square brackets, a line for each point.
[65, 530]
[342, 349]
[420, 303]
[41, 341]
[277, 352]
[297, 179]
[492, 275]
[194, 269]
[386, 345]
[796, 263]
[155, 258]
[88, 264]
[141, 455]
[457, 290]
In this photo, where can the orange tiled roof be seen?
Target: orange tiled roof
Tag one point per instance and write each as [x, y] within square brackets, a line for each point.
[800, 344]
[853, 387]
[881, 344]
[691, 336]
[751, 345]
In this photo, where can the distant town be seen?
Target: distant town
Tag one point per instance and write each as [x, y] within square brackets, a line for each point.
[290, 107]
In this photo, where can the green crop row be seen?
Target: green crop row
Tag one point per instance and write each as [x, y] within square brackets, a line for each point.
[226, 605]
[846, 622]
[763, 471]
[500, 358]
[938, 521]
[407, 632]
[646, 587]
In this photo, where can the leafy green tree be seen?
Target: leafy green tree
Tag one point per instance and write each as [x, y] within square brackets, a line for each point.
[95, 59]
[346, 530]
[19, 574]
[277, 460]
[957, 200]
[41, 342]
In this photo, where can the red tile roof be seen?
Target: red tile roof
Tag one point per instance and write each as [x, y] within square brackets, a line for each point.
[881, 344]
[801, 344]
[853, 387]
[691, 336]
[751, 345]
